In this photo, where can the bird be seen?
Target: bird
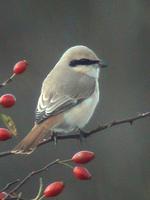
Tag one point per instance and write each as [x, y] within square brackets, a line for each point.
[68, 98]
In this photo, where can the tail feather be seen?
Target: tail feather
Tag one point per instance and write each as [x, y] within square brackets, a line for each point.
[30, 142]
[36, 135]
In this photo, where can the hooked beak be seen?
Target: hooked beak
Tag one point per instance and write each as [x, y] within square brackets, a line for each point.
[102, 64]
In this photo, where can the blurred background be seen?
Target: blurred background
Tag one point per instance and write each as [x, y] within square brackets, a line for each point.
[119, 32]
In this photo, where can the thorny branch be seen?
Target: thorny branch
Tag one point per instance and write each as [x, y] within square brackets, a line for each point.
[34, 173]
[12, 193]
[9, 185]
[31, 174]
[87, 134]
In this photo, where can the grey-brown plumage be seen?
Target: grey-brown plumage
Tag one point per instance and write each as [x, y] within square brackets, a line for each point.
[65, 91]
[69, 96]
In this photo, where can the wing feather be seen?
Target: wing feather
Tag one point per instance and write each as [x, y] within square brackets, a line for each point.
[57, 98]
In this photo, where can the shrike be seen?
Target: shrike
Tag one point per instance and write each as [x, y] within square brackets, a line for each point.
[69, 96]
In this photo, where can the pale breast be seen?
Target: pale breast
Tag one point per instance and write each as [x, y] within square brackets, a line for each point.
[81, 114]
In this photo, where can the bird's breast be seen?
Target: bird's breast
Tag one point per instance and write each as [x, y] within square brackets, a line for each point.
[79, 115]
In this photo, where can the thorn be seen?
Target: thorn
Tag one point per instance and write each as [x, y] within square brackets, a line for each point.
[111, 124]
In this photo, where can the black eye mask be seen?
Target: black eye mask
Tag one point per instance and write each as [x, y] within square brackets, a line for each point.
[83, 61]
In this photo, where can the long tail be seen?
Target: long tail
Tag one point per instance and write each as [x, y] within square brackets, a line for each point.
[35, 136]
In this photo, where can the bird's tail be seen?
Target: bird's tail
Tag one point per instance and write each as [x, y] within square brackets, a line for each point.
[35, 136]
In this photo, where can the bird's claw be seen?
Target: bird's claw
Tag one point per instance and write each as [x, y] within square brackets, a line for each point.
[55, 138]
[82, 135]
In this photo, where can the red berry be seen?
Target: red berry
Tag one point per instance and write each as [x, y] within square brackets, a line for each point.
[82, 157]
[3, 195]
[81, 173]
[20, 67]
[54, 189]
[7, 100]
[5, 134]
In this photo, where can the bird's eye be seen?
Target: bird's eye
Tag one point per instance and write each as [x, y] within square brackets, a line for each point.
[83, 61]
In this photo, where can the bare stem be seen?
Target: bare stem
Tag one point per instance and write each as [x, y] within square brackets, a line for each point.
[7, 81]
[33, 173]
[65, 164]
[9, 185]
[87, 134]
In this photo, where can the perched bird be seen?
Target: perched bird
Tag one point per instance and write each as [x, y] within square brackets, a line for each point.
[69, 96]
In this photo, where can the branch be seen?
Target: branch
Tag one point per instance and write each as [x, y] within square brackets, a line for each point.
[33, 173]
[9, 185]
[11, 193]
[87, 134]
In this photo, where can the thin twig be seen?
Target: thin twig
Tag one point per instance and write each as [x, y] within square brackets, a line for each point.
[14, 198]
[118, 122]
[98, 129]
[7, 81]
[33, 173]
[10, 194]
[87, 134]
[9, 185]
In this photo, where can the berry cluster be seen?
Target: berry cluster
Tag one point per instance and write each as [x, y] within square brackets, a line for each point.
[9, 100]
[81, 173]
[55, 188]
[82, 157]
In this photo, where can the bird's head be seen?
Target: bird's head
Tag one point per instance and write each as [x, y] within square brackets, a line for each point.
[83, 60]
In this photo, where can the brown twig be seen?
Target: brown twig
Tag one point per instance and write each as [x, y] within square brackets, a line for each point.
[9, 185]
[87, 134]
[33, 173]
[58, 161]
[10, 194]
[7, 81]
[14, 198]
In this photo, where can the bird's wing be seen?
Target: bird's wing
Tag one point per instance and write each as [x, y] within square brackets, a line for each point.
[57, 97]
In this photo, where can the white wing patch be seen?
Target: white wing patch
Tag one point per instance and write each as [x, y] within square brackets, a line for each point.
[57, 97]
[53, 105]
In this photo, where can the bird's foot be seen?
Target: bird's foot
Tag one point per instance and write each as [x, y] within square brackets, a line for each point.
[82, 135]
[54, 136]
